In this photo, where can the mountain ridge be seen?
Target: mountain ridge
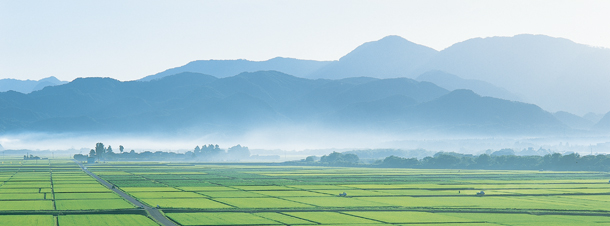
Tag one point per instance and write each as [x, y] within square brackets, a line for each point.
[250, 100]
[227, 68]
[554, 73]
[452, 82]
[28, 86]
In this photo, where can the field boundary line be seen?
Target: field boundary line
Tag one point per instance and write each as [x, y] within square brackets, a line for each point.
[74, 212]
[510, 211]
[153, 213]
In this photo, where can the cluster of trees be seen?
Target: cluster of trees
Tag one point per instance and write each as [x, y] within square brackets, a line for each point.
[335, 158]
[214, 153]
[30, 157]
[555, 161]
[208, 153]
[499, 160]
[103, 153]
[382, 153]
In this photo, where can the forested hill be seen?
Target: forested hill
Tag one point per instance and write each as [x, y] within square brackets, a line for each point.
[247, 101]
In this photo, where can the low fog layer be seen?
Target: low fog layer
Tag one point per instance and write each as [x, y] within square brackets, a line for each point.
[292, 143]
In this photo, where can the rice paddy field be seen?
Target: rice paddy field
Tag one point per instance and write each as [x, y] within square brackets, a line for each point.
[58, 192]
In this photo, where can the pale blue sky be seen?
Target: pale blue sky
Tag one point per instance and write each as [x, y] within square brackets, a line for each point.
[131, 39]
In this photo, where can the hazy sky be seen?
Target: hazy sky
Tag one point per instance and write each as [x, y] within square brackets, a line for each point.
[131, 39]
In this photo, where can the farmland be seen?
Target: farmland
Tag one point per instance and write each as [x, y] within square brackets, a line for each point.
[59, 192]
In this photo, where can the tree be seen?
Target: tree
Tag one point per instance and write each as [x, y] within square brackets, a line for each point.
[446, 160]
[239, 152]
[337, 157]
[395, 161]
[109, 150]
[99, 150]
[91, 153]
[197, 149]
[351, 158]
[121, 148]
[332, 157]
[310, 159]
[79, 157]
[483, 160]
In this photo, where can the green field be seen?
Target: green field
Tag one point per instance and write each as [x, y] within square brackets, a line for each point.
[27, 220]
[105, 220]
[331, 218]
[220, 219]
[26, 205]
[258, 194]
[310, 195]
[94, 204]
[188, 203]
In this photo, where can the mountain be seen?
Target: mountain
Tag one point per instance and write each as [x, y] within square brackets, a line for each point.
[452, 82]
[554, 73]
[603, 124]
[226, 68]
[466, 107]
[460, 111]
[336, 95]
[573, 121]
[28, 86]
[205, 104]
[593, 117]
[382, 88]
[389, 57]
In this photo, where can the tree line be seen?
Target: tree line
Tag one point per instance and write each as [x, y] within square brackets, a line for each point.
[451, 160]
[206, 153]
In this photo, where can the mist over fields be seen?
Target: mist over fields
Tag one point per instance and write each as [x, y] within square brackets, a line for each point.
[521, 92]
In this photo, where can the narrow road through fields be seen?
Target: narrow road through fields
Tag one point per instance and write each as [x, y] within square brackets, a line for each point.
[152, 212]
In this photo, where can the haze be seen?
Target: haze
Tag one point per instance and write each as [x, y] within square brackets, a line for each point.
[464, 76]
[129, 40]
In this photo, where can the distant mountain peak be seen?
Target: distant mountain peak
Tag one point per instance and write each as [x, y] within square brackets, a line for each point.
[390, 40]
[50, 79]
[392, 45]
[28, 86]
[389, 57]
[604, 123]
[462, 93]
[264, 73]
[228, 68]
[554, 73]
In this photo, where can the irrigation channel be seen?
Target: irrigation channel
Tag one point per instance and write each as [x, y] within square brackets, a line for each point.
[152, 212]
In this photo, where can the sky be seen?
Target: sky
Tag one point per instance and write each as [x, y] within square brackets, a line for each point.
[129, 40]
